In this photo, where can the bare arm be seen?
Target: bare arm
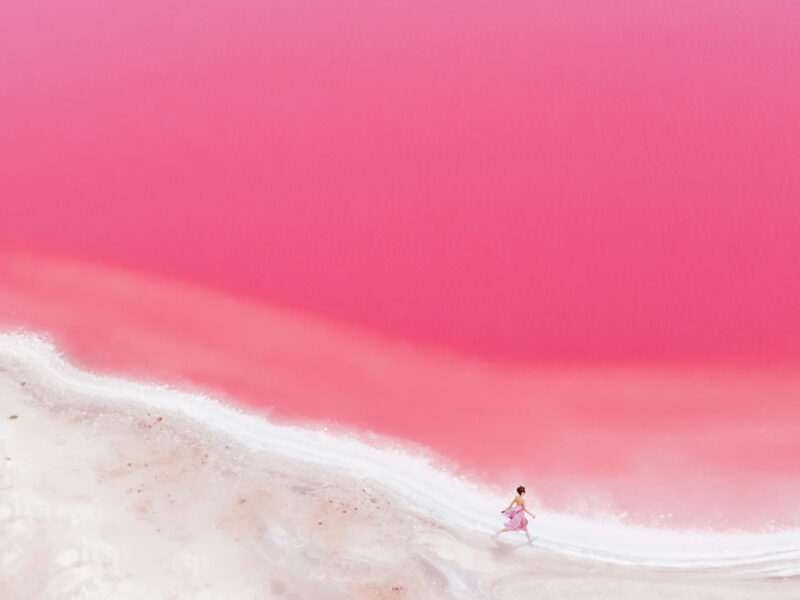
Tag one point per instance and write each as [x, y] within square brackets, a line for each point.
[533, 516]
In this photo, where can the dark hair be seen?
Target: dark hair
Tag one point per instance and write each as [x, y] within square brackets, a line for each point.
[521, 490]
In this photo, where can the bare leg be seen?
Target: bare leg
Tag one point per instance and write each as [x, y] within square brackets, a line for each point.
[529, 535]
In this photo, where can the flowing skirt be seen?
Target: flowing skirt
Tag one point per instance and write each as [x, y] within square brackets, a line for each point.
[516, 518]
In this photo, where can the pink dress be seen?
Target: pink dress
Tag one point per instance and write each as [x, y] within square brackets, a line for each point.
[516, 518]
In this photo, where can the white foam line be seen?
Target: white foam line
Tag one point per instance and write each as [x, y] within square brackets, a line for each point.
[412, 476]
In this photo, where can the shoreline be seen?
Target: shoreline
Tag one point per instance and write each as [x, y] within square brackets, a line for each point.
[316, 467]
[693, 446]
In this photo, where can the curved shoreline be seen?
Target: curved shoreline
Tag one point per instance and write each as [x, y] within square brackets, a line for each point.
[409, 476]
[668, 445]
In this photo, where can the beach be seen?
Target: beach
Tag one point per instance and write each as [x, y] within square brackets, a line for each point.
[112, 489]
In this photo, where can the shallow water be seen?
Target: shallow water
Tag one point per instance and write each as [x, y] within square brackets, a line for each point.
[117, 489]
[687, 446]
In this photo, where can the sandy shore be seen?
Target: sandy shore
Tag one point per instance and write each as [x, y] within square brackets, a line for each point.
[107, 500]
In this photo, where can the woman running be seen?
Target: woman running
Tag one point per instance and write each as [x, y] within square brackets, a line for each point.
[516, 515]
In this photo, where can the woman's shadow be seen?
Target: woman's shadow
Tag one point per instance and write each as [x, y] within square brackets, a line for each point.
[506, 548]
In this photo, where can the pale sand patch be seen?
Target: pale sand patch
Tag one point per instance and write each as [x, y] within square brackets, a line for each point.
[110, 501]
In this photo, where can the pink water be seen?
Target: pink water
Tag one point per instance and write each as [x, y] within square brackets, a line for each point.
[598, 200]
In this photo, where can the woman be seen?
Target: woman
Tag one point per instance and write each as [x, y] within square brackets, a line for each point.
[516, 515]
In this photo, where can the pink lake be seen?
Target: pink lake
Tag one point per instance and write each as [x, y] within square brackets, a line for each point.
[473, 226]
